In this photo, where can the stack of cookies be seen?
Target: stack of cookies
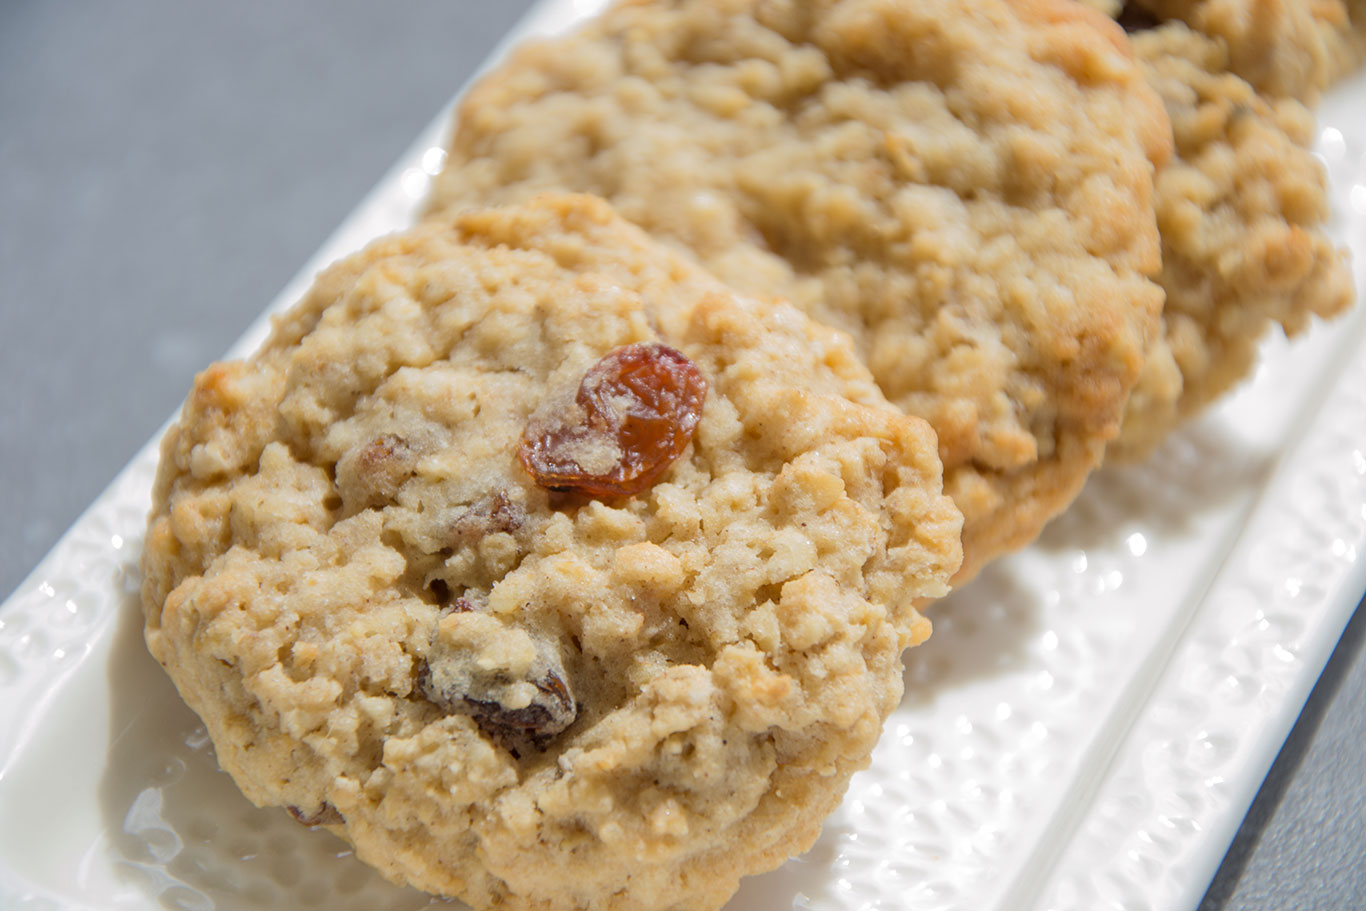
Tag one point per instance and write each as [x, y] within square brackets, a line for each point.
[560, 552]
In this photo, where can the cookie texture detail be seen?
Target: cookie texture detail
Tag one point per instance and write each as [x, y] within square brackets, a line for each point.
[1287, 48]
[1242, 208]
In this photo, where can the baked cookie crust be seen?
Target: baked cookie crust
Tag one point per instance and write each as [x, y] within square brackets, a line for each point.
[1242, 208]
[526, 698]
[1287, 48]
[965, 187]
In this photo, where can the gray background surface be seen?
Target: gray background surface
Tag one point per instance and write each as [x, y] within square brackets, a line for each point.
[165, 168]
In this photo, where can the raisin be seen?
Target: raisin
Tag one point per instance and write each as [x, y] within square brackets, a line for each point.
[490, 515]
[638, 409]
[1134, 18]
[324, 815]
[550, 712]
[373, 474]
[456, 684]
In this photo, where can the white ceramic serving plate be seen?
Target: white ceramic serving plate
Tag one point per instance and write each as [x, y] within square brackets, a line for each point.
[1085, 729]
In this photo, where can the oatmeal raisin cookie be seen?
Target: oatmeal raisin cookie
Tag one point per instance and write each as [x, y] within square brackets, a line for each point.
[382, 570]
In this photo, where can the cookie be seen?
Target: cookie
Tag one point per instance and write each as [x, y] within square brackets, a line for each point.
[542, 567]
[1287, 48]
[1241, 207]
[964, 187]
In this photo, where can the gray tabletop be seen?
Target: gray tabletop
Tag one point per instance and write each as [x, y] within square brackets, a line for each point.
[165, 168]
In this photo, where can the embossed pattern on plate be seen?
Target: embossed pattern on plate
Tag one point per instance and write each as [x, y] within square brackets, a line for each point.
[1084, 730]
